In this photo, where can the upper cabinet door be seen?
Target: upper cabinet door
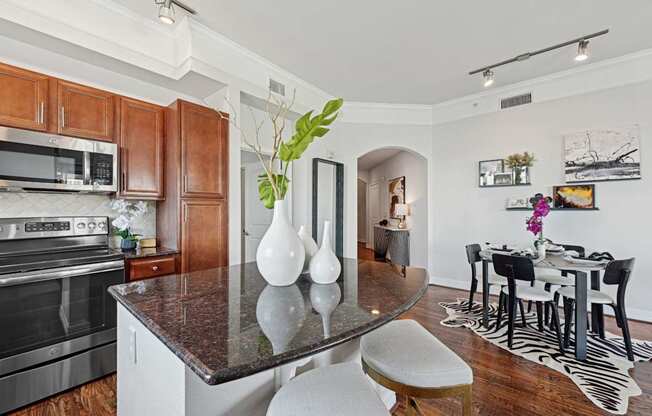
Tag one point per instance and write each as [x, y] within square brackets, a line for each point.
[141, 140]
[23, 98]
[204, 153]
[85, 111]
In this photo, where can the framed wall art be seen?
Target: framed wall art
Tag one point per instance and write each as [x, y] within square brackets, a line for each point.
[573, 197]
[602, 155]
[396, 195]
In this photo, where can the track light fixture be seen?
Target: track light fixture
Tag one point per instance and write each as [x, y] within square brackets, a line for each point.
[166, 10]
[582, 51]
[582, 55]
[488, 75]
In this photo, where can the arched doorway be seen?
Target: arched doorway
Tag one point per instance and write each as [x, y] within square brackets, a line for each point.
[393, 176]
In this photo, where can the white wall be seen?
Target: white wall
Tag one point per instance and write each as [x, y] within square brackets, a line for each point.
[464, 213]
[415, 170]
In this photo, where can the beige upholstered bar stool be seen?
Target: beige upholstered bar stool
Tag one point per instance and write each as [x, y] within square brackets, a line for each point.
[340, 389]
[404, 357]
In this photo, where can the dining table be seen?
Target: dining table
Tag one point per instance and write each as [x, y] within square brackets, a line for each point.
[580, 270]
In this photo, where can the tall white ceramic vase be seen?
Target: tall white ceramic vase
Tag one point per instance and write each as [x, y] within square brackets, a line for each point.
[309, 245]
[280, 254]
[325, 267]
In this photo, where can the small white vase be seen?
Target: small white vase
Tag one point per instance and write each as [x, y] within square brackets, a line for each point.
[280, 254]
[325, 267]
[310, 247]
[541, 251]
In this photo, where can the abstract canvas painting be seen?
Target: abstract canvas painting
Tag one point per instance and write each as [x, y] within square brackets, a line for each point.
[574, 196]
[602, 155]
[396, 194]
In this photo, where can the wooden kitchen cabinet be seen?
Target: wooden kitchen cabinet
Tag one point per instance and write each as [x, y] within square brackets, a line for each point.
[84, 111]
[150, 267]
[204, 231]
[204, 152]
[23, 98]
[141, 139]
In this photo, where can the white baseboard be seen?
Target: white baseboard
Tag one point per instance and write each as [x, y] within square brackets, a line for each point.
[632, 313]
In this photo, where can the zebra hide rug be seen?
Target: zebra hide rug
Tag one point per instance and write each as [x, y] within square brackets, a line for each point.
[604, 377]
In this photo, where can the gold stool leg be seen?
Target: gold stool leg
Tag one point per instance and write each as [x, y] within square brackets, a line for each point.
[467, 402]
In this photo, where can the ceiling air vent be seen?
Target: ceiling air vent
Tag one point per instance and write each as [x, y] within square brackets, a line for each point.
[276, 87]
[517, 100]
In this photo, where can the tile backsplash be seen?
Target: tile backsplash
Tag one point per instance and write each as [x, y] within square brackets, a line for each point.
[37, 204]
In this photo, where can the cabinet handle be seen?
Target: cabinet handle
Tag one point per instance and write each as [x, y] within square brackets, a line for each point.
[63, 117]
[155, 268]
[185, 183]
[123, 185]
[185, 215]
[41, 112]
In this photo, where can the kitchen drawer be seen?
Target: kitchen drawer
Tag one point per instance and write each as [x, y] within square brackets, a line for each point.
[151, 267]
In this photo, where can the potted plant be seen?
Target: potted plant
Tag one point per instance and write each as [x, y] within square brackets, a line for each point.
[520, 164]
[123, 223]
[281, 253]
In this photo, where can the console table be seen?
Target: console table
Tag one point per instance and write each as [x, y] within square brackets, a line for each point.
[392, 242]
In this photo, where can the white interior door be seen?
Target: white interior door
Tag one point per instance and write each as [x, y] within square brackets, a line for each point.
[374, 208]
[257, 218]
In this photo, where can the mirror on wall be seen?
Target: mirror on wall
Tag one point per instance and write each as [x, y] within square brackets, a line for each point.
[328, 201]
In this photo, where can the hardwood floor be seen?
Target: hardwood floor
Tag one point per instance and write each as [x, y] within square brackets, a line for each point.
[504, 384]
[365, 253]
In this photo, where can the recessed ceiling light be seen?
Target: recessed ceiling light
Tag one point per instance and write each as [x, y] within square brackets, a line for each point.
[582, 51]
[488, 75]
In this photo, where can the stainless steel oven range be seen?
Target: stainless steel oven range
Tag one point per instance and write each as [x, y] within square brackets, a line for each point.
[57, 321]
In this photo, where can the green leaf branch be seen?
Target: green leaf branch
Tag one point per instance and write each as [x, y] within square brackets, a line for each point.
[273, 184]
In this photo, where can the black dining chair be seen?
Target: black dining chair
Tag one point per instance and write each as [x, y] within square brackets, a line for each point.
[618, 273]
[516, 268]
[559, 279]
[473, 257]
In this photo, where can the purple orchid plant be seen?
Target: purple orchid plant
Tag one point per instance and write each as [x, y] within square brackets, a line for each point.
[541, 205]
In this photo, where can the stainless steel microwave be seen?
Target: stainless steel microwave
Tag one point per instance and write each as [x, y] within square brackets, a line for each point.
[40, 161]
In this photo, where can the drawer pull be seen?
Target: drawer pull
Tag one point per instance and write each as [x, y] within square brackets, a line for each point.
[155, 268]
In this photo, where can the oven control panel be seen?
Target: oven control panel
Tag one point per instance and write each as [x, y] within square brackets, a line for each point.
[23, 228]
[37, 227]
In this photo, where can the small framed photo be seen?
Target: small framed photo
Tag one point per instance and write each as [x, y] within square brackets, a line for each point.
[488, 169]
[574, 196]
[503, 178]
[513, 203]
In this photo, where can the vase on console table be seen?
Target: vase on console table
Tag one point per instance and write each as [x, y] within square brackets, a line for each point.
[280, 255]
[325, 267]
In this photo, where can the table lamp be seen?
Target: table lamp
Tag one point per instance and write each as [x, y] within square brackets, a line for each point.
[401, 210]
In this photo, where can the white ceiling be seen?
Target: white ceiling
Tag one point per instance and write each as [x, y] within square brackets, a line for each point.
[419, 51]
[375, 158]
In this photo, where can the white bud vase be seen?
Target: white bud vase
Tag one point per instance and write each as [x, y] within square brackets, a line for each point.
[325, 268]
[310, 247]
[280, 254]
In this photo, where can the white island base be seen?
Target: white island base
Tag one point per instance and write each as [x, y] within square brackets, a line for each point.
[153, 381]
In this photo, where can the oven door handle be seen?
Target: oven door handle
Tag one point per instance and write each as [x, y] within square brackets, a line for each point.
[14, 279]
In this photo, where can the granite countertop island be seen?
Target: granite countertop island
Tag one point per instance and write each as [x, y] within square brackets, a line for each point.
[231, 329]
